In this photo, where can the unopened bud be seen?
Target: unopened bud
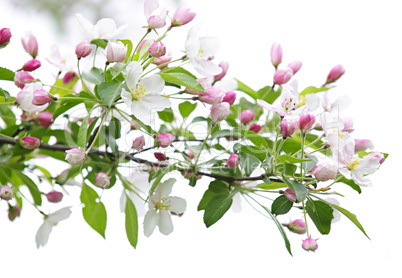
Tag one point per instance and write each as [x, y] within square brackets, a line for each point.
[6, 193]
[115, 51]
[44, 119]
[30, 143]
[102, 180]
[295, 66]
[335, 73]
[83, 49]
[5, 36]
[69, 77]
[220, 111]
[160, 156]
[246, 116]
[255, 128]
[233, 161]
[309, 244]
[21, 78]
[31, 65]
[75, 156]
[182, 16]
[289, 194]
[157, 49]
[229, 97]
[41, 97]
[282, 76]
[378, 155]
[288, 127]
[276, 54]
[30, 44]
[139, 143]
[306, 122]
[297, 226]
[54, 196]
[164, 139]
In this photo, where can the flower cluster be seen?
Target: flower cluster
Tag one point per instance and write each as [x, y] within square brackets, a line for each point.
[276, 143]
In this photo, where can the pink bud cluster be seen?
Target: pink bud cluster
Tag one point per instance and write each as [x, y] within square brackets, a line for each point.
[282, 76]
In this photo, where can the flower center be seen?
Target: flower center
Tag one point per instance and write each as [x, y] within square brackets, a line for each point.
[201, 52]
[288, 104]
[353, 164]
[139, 91]
[338, 133]
[163, 204]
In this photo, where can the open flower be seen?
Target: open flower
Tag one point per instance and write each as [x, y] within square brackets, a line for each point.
[143, 96]
[200, 51]
[42, 236]
[104, 29]
[160, 204]
[25, 97]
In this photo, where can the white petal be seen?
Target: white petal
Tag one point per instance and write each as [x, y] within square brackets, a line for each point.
[42, 236]
[165, 222]
[154, 84]
[105, 28]
[150, 221]
[192, 46]
[138, 203]
[134, 72]
[149, 7]
[165, 188]
[139, 181]
[86, 26]
[177, 205]
[368, 165]
[127, 97]
[360, 180]
[205, 67]
[210, 45]
[236, 205]
[59, 215]
[144, 109]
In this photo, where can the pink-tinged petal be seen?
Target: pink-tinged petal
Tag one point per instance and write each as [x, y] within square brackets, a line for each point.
[165, 222]
[210, 45]
[360, 180]
[156, 22]
[149, 7]
[150, 220]
[85, 25]
[368, 165]
[345, 172]
[177, 205]
[206, 67]
[105, 28]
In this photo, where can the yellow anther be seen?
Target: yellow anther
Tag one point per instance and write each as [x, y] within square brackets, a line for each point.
[201, 53]
[353, 164]
[139, 92]
[161, 205]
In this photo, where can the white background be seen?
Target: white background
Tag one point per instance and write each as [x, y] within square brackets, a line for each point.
[364, 36]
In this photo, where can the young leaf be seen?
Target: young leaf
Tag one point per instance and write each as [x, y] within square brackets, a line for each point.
[245, 89]
[313, 90]
[131, 222]
[299, 189]
[216, 208]
[6, 74]
[181, 77]
[268, 94]
[215, 187]
[109, 91]
[281, 205]
[95, 76]
[166, 115]
[82, 133]
[94, 211]
[4, 94]
[186, 108]
[321, 214]
[33, 188]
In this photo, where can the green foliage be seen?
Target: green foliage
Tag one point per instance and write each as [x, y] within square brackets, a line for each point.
[131, 222]
[299, 189]
[181, 77]
[217, 207]
[321, 214]
[186, 108]
[281, 205]
[94, 76]
[215, 187]
[109, 92]
[6, 74]
[166, 115]
[94, 211]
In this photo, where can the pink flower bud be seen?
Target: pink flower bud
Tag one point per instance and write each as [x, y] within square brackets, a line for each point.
[182, 16]
[378, 155]
[163, 60]
[13, 212]
[190, 154]
[297, 226]
[212, 96]
[229, 97]
[157, 49]
[335, 73]
[139, 143]
[325, 170]
[165, 139]
[160, 156]
[69, 77]
[282, 76]
[31, 65]
[220, 111]
[54, 196]
[309, 244]
[83, 49]
[30, 143]
[225, 66]
[41, 97]
[44, 119]
[102, 180]
[362, 145]
[21, 78]
[30, 44]
[246, 116]
[255, 128]
[295, 66]
[276, 54]
[75, 156]
[6, 193]
[115, 52]
[288, 127]
[233, 161]
[142, 44]
[5, 36]
[289, 194]
[306, 122]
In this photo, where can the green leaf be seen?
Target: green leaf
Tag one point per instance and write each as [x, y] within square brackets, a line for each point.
[186, 108]
[112, 133]
[95, 76]
[100, 42]
[159, 175]
[82, 133]
[131, 223]
[182, 77]
[5, 94]
[268, 94]
[349, 215]
[215, 187]
[7, 115]
[94, 211]
[109, 91]
[217, 207]
[313, 90]
[129, 45]
[6, 74]
[245, 89]
[280, 228]
[166, 115]
[286, 169]
[321, 214]
[60, 89]
[248, 162]
[272, 186]
[281, 205]
[33, 188]
[254, 151]
[299, 189]
[351, 183]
